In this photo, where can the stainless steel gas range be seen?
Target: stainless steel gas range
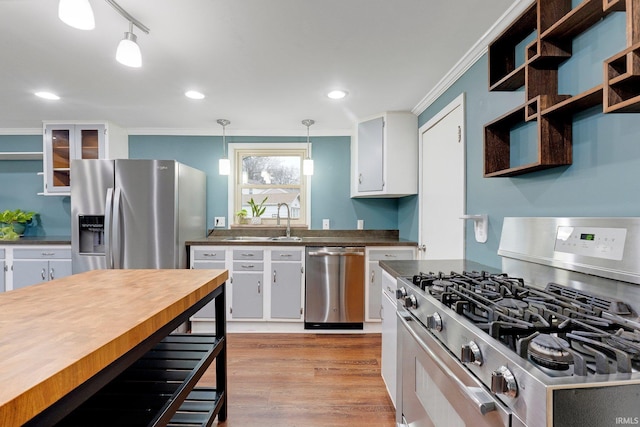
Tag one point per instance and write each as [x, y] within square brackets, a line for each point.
[551, 340]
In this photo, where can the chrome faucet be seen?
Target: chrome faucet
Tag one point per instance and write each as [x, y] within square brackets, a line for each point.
[288, 218]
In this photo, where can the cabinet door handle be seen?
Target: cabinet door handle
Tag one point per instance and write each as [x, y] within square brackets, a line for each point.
[51, 274]
[373, 276]
[258, 286]
[360, 179]
[43, 274]
[274, 276]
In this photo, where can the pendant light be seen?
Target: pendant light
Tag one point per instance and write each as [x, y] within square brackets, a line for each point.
[77, 14]
[224, 165]
[307, 164]
[128, 52]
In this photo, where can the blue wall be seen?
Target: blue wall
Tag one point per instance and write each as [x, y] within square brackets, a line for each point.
[603, 179]
[20, 183]
[329, 186]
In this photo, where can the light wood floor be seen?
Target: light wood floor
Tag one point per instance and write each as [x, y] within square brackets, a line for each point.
[305, 380]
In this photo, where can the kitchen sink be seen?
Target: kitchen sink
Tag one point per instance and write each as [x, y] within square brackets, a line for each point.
[263, 239]
[287, 239]
[248, 238]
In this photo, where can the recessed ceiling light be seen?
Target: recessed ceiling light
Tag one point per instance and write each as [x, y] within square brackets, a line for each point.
[47, 95]
[337, 94]
[194, 94]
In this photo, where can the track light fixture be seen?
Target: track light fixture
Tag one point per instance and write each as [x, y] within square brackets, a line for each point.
[307, 164]
[78, 14]
[224, 165]
[128, 52]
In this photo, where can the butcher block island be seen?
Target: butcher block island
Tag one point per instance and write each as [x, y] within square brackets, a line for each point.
[98, 348]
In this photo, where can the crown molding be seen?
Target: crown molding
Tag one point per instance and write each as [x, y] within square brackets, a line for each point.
[472, 55]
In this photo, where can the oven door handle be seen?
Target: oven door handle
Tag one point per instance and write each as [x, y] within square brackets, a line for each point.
[480, 398]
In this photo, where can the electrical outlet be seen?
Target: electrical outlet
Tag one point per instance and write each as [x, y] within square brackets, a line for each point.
[360, 224]
[219, 221]
[325, 224]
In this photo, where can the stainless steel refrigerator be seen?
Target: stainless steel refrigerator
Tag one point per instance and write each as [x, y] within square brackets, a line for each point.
[134, 213]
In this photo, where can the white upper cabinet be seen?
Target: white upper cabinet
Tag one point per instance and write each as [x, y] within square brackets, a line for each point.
[64, 141]
[384, 156]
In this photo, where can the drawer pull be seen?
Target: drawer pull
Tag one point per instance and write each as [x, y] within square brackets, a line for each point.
[391, 256]
[285, 255]
[248, 266]
[47, 253]
[210, 254]
[249, 254]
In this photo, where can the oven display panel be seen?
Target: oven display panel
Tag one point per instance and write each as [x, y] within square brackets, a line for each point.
[607, 243]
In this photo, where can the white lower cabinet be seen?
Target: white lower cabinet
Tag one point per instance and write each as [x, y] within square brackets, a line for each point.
[39, 264]
[247, 284]
[208, 259]
[286, 284]
[389, 335]
[266, 283]
[374, 276]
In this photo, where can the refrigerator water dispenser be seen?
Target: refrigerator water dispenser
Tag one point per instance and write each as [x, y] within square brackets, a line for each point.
[91, 234]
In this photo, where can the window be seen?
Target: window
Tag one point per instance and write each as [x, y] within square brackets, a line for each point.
[272, 175]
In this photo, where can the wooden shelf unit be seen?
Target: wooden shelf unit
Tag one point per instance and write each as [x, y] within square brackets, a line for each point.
[503, 72]
[556, 24]
[553, 145]
[622, 87]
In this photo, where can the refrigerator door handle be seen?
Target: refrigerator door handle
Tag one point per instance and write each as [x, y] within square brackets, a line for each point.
[108, 211]
[117, 244]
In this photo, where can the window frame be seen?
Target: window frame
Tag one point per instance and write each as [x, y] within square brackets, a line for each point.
[274, 148]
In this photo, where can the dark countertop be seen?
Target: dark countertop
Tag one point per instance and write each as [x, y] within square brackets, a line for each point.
[38, 240]
[307, 238]
[410, 268]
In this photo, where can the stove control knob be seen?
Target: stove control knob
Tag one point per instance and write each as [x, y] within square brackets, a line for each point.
[434, 322]
[401, 293]
[503, 382]
[410, 302]
[471, 353]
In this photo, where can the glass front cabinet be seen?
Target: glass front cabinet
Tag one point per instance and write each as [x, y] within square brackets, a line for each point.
[67, 141]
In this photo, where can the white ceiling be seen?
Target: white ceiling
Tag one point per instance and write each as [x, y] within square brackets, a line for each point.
[263, 64]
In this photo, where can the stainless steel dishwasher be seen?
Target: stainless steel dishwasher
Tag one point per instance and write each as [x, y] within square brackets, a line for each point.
[334, 297]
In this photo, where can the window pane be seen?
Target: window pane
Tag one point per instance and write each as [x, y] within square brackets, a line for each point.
[271, 170]
[275, 196]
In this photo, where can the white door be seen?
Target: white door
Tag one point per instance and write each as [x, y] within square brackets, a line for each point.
[442, 184]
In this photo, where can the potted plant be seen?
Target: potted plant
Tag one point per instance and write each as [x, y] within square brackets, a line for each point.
[13, 223]
[257, 210]
[242, 216]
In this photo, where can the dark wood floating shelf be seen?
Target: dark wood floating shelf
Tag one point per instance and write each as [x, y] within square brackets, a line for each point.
[576, 21]
[556, 24]
[575, 104]
[512, 81]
